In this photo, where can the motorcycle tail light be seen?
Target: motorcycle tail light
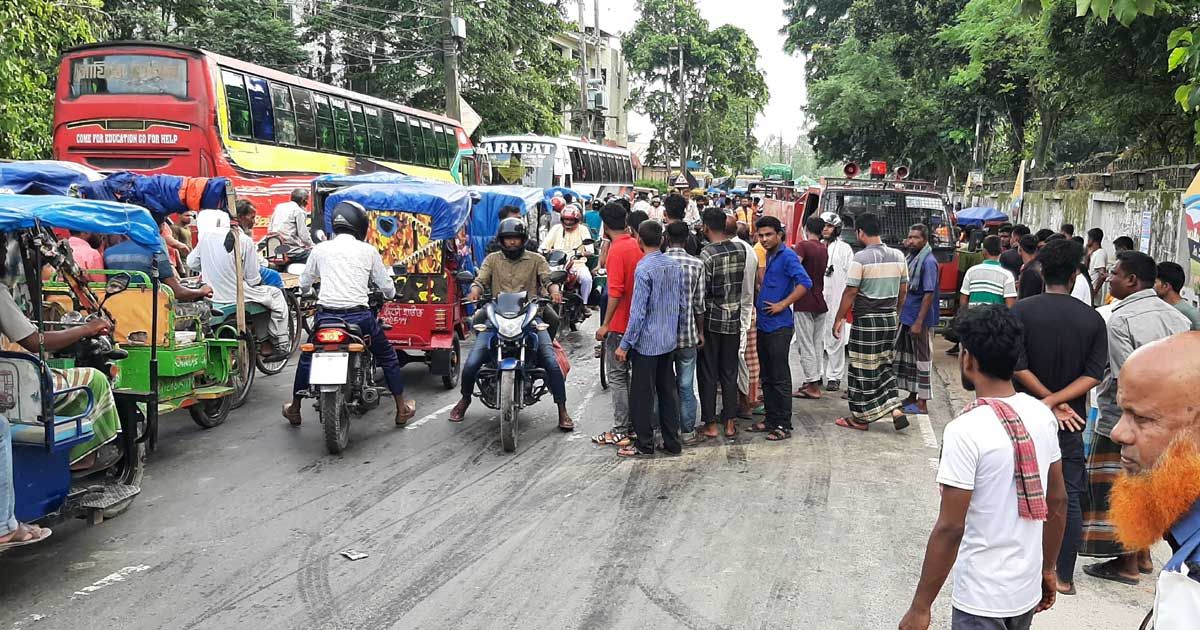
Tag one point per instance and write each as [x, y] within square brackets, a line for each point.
[331, 335]
[306, 347]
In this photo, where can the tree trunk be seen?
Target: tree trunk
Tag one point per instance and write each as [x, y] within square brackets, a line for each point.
[1046, 134]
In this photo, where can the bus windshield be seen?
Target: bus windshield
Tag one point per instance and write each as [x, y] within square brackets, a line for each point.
[521, 163]
[128, 74]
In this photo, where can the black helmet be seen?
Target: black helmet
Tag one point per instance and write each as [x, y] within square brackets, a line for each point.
[510, 227]
[350, 217]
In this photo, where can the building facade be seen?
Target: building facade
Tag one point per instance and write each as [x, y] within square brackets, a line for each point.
[605, 119]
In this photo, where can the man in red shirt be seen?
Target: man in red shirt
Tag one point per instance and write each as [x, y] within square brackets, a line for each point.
[623, 256]
[811, 310]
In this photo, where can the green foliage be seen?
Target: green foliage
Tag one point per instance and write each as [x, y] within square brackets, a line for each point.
[258, 31]
[34, 31]
[661, 187]
[721, 85]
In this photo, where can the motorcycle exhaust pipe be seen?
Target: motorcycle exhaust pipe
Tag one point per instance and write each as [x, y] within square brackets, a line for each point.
[370, 395]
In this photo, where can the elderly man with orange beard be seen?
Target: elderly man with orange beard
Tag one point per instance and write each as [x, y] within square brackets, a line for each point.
[1158, 494]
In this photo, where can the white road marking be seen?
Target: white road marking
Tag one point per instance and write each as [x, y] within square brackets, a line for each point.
[413, 425]
[927, 430]
[111, 579]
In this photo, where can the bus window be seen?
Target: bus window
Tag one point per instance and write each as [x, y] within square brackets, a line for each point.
[439, 140]
[341, 124]
[414, 127]
[129, 74]
[260, 109]
[360, 129]
[576, 163]
[451, 146]
[594, 167]
[391, 150]
[431, 146]
[627, 168]
[306, 130]
[285, 117]
[406, 146]
[238, 103]
[466, 171]
[326, 138]
[373, 132]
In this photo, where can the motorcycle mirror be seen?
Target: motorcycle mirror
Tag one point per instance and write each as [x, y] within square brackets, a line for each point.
[464, 276]
[116, 283]
[588, 241]
[557, 277]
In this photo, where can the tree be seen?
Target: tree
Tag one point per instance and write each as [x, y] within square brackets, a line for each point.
[35, 31]
[258, 31]
[719, 81]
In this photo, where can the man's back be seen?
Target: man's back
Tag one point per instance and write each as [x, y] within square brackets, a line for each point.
[724, 274]
[998, 570]
[345, 267]
[988, 283]
[216, 265]
[877, 271]
[1064, 339]
[814, 255]
[129, 256]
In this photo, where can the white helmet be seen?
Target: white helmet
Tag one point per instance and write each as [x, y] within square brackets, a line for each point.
[832, 218]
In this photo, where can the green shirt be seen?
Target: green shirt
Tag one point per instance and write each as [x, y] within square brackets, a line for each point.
[1191, 312]
[988, 283]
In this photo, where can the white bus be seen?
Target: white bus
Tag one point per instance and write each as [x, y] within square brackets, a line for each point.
[545, 161]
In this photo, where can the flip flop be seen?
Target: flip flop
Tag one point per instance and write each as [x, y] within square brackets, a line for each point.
[850, 424]
[28, 530]
[900, 422]
[1104, 571]
[631, 452]
[293, 417]
[698, 439]
[778, 435]
[729, 435]
[409, 410]
[759, 427]
[800, 393]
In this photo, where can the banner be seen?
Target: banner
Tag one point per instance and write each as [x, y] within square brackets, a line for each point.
[1191, 225]
[1018, 195]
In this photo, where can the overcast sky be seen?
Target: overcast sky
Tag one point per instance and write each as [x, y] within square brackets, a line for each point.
[762, 19]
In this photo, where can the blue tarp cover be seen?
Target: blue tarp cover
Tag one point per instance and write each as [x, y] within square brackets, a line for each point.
[102, 217]
[43, 177]
[448, 204]
[378, 177]
[976, 217]
[565, 191]
[485, 216]
[157, 193]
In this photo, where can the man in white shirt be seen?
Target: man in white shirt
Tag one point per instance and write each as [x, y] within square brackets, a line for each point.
[1003, 507]
[290, 222]
[346, 267]
[568, 236]
[1097, 264]
[213, 259]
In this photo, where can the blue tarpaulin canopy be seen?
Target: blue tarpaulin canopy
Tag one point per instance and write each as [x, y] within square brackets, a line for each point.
[378, 177]
[160, 194]
[448, 204]
[485, 217]
[47, 177]
[101, 217]
[976, 217]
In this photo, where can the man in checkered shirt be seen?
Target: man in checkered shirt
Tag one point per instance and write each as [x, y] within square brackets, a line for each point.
[690, 341]
[724, 269]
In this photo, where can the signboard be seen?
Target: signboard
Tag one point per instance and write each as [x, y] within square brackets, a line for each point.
[1147, 222]
[1191, 225]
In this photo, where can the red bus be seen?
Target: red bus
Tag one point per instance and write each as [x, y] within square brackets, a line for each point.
[163, 109]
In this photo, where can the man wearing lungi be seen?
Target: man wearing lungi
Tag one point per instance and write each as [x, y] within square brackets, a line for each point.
[918, 317]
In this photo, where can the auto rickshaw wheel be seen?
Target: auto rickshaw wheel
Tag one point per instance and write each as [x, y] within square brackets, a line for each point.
[130, 474]
[296, 322]
[211, 413]
[242, 370]
[450, 378]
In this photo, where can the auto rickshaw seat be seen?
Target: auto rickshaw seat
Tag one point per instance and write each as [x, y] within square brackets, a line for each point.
[21, 396]
[131, 310]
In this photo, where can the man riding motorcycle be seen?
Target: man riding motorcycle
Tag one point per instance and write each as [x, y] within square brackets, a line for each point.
[346, 267]
[568, 237]
[513, 269]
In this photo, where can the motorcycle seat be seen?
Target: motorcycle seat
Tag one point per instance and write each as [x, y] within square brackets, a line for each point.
[353, 329]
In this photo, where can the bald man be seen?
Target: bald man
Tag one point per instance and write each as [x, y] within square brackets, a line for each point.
[1158, 493]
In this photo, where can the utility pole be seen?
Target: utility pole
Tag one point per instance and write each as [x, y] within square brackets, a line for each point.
[599, 47]
[450, 60]
[683, 121]
[978, 133]
[585, 116]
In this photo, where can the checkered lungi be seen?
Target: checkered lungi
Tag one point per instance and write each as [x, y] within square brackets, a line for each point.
[871, 381]
[748, 367]
[1103, 466]
[914, 361]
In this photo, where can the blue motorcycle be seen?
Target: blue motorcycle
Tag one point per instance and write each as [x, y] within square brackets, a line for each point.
[512, 379]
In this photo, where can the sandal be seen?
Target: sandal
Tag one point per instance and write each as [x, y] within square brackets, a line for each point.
[731, 433]
[698, 439]
[406, 413]
[759, 427]
[26, 534]
[900, 422]
[778, 435]
[608, 438]
[631, 452]
[849, 423]
[803, 393]
[1105, 571]
[291, 415]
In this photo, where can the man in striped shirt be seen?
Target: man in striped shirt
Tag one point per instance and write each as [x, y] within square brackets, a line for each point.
[690, 340]
[658, 310]
[988, 282]
[875, 286]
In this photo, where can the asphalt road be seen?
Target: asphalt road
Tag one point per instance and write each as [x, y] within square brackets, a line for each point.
[242, 526]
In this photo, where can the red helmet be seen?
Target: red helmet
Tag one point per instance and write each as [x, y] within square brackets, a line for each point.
[557, 203]
[572, 213]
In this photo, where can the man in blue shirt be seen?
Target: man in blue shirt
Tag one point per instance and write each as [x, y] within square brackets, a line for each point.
[657, 311]
[125, 255]
[784, 281]
[918, 318]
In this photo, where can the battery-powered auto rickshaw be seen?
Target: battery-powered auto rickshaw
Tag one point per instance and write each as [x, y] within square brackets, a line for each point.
[76, 451]
[415, 225]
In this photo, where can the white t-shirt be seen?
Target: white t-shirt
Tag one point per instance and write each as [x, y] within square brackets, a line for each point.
[999, 568]
[1098, 264]
[1082, 290]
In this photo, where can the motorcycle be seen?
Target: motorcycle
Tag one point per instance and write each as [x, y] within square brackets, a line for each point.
[512, 380]
[342, 378]
[573, 310]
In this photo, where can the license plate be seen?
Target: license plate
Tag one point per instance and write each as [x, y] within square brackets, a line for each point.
[329, 368]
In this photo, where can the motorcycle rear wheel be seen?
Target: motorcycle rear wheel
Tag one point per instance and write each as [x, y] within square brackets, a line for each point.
[335, 419]
[508, 410]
